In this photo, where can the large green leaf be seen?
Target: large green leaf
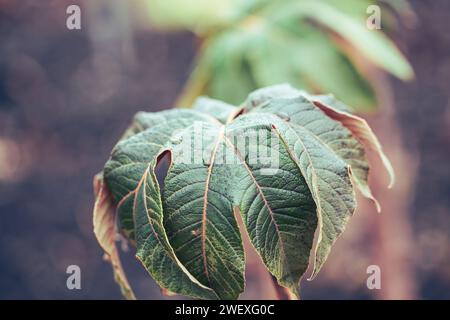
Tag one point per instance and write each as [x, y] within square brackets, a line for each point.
[145, 138]
[130, 175]
[198, 206]
[326, 175]
[153, 247]
[284, 159]
[299, 108]
[278, 209]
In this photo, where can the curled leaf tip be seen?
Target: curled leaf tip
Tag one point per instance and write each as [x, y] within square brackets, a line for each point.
[104, 221]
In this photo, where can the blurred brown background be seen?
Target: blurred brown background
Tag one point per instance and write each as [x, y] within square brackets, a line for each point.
[66, 97]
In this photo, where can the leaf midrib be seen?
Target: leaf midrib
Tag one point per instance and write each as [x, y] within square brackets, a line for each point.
[258, 187]
[205, 201]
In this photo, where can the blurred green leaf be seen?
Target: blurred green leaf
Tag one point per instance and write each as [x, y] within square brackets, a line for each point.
[373, 44]
[311, 44]
[196, 15]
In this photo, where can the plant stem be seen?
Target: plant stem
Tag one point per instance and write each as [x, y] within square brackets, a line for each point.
[281, 292]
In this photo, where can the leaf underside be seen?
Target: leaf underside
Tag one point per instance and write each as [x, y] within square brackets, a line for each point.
[293, 207]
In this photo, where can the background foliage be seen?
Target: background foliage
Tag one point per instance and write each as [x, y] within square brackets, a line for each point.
[318, 45]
